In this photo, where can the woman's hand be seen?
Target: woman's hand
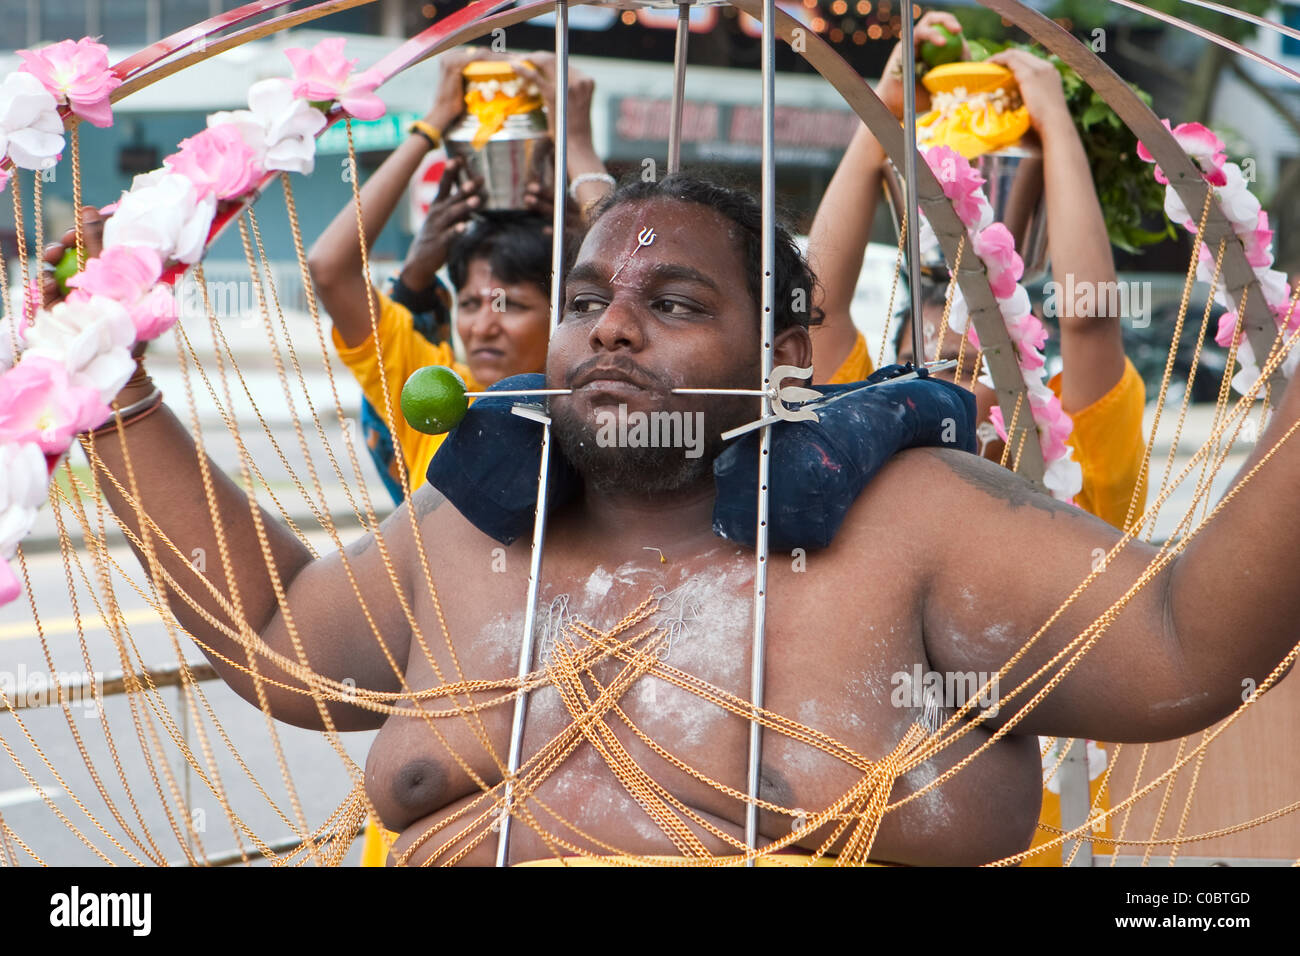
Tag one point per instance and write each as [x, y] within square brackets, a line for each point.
[448, 217]
[449, 101]
[1040, 88]
[890, 89]
[541, 69]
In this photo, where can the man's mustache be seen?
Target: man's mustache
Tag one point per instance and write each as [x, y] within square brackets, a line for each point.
[625, 368]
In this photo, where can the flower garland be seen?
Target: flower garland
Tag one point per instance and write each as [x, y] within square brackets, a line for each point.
[72, 359]
[1250, 224]
[993, 243]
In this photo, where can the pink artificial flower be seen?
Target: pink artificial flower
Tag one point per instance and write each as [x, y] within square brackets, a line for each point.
[1200, 143]
[218, 162]
[1030, 358]
[77, 72]
[10, 586]
[1028, 331]
[1054, 426]
[129, 275]
[1287, 316]
[961, 183]
[40, 404]
[996, 247]
[1227, 328]
[4, 179]
[1259, 243]
[999, 426]
[124, 273]
[323, 74]
[155, 313]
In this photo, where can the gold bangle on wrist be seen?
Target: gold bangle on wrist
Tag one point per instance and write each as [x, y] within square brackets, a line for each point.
[428, 131]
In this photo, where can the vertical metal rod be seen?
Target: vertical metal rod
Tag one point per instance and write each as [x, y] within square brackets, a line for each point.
[679, 88]
[759, 650]
[909, 186]
[186, 791]
[539, 521]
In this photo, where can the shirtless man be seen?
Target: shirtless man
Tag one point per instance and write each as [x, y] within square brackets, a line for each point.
[896, 588]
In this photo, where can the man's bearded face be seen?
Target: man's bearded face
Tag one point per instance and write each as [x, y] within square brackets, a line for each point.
[677, 314]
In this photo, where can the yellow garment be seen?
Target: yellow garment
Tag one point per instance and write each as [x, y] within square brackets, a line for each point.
[856, 366]
[1106, 439]
[404, 351]
[1050, 816]
[1108, 445]
[374, 849]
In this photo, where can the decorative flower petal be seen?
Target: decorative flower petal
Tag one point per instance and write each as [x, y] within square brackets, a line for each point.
[78, 73]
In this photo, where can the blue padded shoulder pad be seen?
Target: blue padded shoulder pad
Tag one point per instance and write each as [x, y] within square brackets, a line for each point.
[487, 467]
[819, 468]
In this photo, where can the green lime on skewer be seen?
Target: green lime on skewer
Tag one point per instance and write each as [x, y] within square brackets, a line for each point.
[66, 269]
[950, 52]
[433, 399]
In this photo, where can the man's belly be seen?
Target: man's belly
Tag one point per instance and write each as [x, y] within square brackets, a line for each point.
[663, 775]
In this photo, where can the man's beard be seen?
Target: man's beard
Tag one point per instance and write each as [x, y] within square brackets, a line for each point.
[640, 470]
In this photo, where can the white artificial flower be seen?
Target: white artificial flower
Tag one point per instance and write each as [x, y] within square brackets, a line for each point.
[1236, 200]
[1174, 208]
[959, 314]
[92, 338]
[289, 126]
[22, 492]
[1016, 305]
[1248, 374]
[1063, 478]
[31, 131]
[163, 211]
[1274, 286]
[8, 353]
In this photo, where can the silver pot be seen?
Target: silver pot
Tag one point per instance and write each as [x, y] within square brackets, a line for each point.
[518, 153]
[1013, 183]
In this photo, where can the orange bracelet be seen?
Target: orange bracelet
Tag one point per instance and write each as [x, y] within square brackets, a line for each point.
[428, 131]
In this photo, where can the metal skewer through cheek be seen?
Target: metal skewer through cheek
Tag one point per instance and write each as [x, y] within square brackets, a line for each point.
[560, 125]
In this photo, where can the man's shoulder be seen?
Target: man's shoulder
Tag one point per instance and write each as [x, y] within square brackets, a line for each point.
[940, 482]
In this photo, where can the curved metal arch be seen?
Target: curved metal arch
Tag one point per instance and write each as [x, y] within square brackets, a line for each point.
[999, 353]
[1238, 277]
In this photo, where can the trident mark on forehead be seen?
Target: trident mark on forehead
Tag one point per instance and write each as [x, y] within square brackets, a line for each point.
[644, 238]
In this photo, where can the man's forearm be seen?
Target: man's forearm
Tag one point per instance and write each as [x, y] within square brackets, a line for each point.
[165, 471]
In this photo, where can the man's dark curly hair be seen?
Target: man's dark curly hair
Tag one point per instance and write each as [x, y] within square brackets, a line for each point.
[795, 282]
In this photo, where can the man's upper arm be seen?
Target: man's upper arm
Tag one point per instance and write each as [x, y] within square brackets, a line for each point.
[347, 608]
[1015, 560]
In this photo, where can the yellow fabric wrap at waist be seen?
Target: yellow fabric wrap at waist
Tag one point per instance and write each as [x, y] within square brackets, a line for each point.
[491, 114]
